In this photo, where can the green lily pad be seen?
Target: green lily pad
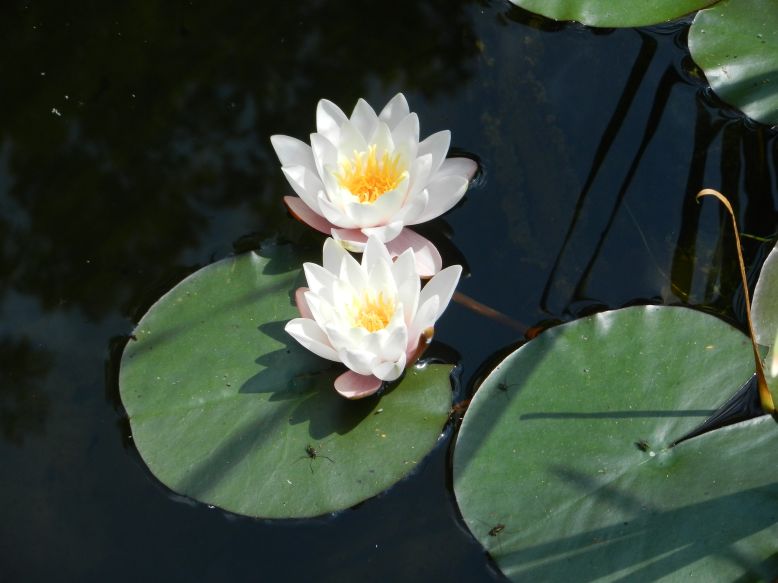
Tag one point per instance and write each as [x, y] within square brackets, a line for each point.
[562, 470]
[227, 409]
[735, 43]
[614, 14]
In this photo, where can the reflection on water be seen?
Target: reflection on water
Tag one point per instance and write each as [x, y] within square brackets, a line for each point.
[135, 149]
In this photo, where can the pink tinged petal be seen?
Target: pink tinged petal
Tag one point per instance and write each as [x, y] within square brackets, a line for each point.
[437, 145]
[322, 312]
[428, 260]
[356, 386]
[329, 118]
[324, 153]
[418, 346]
[303, 213]
[293, 152]
[406, 136]
[394, 111]
[444, 194]
[318, 278]
[333, 214]
[389, 371]
[441, 286]
[464, 167]
[384, 233]
[351, 239]
[350, 141]
[305, 183]
[360, 361]
[301, 303]
[364, 119]
[310, 335]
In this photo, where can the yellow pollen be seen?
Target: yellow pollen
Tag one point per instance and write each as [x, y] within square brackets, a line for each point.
[368, 177]
[373, 312]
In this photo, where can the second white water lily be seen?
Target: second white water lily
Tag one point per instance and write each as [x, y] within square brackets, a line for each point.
[369, 175]
[374, 317]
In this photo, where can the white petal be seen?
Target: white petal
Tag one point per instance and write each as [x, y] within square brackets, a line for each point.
[408, 283]
[318, 277]
[324, 153]
[359, 361]
[321, 309]
[364, 119]
[442, 286]
[437, 145]
[353, 274]
[375, 253]
[333, 255]
[414, 207]
[423, 319]
[333, 214]
[382, 139]
[444, 194]
[394, 111]
[329, 118]
[380, 277]
[292, 152]
[351, 141]
[406, 137]
[464, 167]
[379, 212]
[310, 335]
[305, 183]
[384, 233]
[389, 371]
[395, 339]
[420, 174]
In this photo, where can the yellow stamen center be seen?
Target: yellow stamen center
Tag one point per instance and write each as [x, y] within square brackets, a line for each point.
[373, 312]
[369, 177]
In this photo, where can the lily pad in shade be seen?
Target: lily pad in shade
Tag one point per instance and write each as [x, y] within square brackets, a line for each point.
[614, 13]
[735, 43]
[561, 466]
[227, 409]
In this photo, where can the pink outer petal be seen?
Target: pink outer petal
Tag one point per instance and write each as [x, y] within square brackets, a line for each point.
[356, 386]
[301, 303]
[418, 346]
[428, 260]
[305, 214]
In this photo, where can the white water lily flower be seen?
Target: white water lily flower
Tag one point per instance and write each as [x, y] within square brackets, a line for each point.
[368, 175]
[371, 316]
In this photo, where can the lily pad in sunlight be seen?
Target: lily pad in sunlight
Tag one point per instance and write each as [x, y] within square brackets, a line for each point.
[561, 466]
[735, 43]
[610, 13]
[227, 409]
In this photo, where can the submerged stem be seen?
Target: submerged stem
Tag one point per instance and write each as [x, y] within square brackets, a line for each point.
[765, 397]
[487, 311]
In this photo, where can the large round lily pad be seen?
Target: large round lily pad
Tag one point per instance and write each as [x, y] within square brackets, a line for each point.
[226, 408]
[614, 13]
[735, 43]
[562, 470]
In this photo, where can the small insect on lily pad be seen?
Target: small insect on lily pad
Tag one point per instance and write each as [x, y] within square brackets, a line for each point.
[227, 409]
[576, 468]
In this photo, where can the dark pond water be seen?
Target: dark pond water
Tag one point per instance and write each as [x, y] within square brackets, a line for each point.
[134, 150]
